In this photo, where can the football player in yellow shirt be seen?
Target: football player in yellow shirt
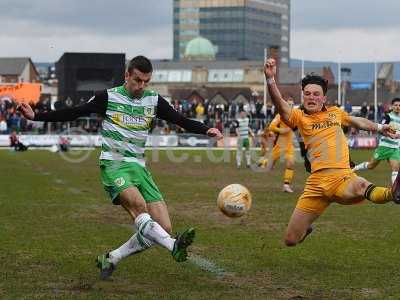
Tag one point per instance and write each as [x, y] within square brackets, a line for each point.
[267, 138]
[331, 179]
[283, 148]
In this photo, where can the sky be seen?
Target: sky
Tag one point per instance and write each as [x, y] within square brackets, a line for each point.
[339, 30]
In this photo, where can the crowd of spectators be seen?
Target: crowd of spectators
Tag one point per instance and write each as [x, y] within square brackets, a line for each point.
[368, 110]
[219, 115]
[11, 120]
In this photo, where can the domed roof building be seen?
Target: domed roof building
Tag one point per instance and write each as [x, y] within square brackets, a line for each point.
[200, 49]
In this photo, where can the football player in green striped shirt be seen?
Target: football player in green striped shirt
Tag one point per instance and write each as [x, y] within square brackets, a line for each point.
[243, 131]
[388, 149]
[128, 112]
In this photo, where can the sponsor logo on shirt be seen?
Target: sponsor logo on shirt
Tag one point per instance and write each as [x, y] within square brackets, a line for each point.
[128, 120]
[324, 125]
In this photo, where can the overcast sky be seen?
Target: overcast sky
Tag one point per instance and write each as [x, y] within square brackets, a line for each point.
[346, 30]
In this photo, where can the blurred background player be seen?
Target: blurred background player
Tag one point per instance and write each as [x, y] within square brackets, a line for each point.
[267, 138]
[388, 149]
[243, 132]
[331, 179]
[283, 148]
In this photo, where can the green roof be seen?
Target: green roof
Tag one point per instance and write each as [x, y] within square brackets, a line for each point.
[200, 49]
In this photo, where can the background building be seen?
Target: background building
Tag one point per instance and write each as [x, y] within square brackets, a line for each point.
[17, 69]
[81, 74]
[198, 76]
[240, 29]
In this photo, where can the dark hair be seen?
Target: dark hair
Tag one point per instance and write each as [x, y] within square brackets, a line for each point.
[315, 79]
[141, 63]
[395, 100]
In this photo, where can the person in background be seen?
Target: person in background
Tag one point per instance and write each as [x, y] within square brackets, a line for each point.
[348, 107]
[3, 125]
[63, 144]
[14, 142]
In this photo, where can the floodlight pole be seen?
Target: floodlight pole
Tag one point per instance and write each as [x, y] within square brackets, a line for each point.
[339, 83]
[265, 84]
[376, 91]
[302, 76]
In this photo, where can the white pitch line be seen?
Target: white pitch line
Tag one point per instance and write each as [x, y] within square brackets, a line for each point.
[207, 265]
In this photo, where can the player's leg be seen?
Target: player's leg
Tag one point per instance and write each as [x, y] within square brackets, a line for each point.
[311, 204]
[264, 146]
[274, 157]
[357, 188]
[289, 170]
[367, 165]
[120, 180]
[239, 152]
[148, 230]
[394, 165]
[262, 162]
[247, 154]
[288, 176]
[161, 224]
[159, 213]
[138, 243]
[132, 201]
[299, 226]
[380, 153]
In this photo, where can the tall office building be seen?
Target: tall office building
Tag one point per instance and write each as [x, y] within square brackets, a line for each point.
[240, 29]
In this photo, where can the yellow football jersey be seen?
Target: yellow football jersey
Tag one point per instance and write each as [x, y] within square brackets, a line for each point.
[323, 137]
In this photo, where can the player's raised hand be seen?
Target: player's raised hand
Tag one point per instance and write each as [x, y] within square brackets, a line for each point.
[215, 133]
[270, 68]
[26, 111]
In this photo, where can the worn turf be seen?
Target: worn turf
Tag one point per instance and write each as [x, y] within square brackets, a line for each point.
[55, 219]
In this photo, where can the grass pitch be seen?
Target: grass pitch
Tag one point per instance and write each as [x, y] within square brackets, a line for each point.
[56, 218]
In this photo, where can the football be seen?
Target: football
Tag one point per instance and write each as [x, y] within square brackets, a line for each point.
[234, 200]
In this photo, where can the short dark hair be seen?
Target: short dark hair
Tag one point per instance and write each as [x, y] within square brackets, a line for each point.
[395, 100]
[315, 79]
[141, 63]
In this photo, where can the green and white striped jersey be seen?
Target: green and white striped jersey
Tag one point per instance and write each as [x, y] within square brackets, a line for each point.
[126, 125]
[392, 119]
[243, 127]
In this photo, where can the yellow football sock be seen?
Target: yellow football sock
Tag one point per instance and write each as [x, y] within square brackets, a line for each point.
[287, 178]
[378, 194]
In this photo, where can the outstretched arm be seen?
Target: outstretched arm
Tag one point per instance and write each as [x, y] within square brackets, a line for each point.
[97, 104]
[281, 105]
[167, 113]
[365, 124]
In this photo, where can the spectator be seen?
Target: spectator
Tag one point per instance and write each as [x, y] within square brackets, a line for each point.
[2, 106]
[14, 122]
[63, 144]
[259, 106]
[348, 107]
[199, 111]
[364, 110]
[371, 112]
[3, 125]
[14, 142]
[233, 108]
[380, 111]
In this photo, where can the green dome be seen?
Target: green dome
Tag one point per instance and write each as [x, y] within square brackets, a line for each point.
[200, 49]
